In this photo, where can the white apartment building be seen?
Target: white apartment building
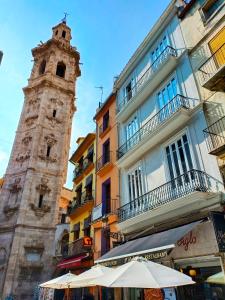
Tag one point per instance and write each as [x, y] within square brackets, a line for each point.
[166, 172]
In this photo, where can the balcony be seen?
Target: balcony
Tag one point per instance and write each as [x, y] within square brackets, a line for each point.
[85, 200]
[212, 72]
[172, 116]
[105, 163]
[215, 138]
[110, 212]
[153, 76]
[75, 248]
[187, 193]
[83, 169]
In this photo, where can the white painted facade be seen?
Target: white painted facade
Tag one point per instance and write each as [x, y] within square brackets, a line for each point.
[145, 152]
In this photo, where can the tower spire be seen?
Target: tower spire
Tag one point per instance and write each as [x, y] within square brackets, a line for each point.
[65, 17]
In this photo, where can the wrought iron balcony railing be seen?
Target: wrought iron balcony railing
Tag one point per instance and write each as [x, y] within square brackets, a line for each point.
[179, 187]
[164, 114]
[81, 200]
[215, 135]
[76, 248]
[211, 66]
[163, 57]
[103, 160]
[82, 167]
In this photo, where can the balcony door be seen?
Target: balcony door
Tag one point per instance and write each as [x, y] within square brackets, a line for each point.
[164, 97]
[106, 152]
[106, 197]
[217, 46]
[158, 51]
[131, 128]
[179, 161]
[135, 183]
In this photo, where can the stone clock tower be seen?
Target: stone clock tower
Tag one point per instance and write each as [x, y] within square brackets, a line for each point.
[37, 167]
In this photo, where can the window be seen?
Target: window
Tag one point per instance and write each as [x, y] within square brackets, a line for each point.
[64, 34]
[76, 231]
[54, 113]
[90, 155]
[105, 241]
[165, 96]
[48, 151]
[106, 151]
[61, 69]
[78, 194]
[63, 218]
[56, 33]
[135, 183]
[106, 121]
[106, 197]
[131, 128]
[40, 202]
[179, 158]
[42, 67]
[129, 90]
[210, 7]
[159, 49]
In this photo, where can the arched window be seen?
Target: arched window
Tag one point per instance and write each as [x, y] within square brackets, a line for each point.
[61, 69]
[56, 32]
[64, 34]
[64, 244]
[42, 67]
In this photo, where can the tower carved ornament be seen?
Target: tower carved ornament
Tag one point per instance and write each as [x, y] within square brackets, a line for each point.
[43, 187]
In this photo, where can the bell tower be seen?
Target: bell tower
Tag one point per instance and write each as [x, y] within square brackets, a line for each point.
[37, 167]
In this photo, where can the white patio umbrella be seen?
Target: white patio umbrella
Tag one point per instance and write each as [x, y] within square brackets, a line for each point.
[85, 278]
[141, 273]
[61, 282]
[217, 278]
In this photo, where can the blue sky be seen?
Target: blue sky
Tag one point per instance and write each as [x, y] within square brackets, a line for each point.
[105, 32]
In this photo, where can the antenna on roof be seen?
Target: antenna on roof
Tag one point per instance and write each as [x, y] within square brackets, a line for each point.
[100, 88]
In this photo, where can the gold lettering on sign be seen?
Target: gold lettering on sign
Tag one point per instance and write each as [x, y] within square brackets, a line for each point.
[187, 240]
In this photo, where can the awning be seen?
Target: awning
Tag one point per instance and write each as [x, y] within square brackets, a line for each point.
[153, 243]
[72, 262]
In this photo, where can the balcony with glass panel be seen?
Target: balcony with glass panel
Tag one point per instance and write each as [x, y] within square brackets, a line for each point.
[212, 71]
[167, 120]
[153, 76]
[189, 192]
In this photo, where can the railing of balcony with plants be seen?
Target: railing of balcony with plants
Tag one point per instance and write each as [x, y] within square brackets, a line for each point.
[77, 171]
[80, 200]
[162, 58]
[103, 160]
[212, 64]
[75, 248]
[215, 135]
[179, 187]
[163, 114]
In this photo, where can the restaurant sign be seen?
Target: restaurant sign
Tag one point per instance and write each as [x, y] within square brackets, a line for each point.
[218, 219]
[123, 260]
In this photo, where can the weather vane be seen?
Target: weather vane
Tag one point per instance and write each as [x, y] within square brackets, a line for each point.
[65, 16]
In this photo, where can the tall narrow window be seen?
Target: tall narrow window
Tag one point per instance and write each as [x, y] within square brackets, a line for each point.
[61, 69]
[131, 128]
[135, 183]
[40, 201]
[106, 151]
[64, 34]
[179, 159]
[106, 121]
[54, 113]
[42, 67]
[106, 197]
[48, 151]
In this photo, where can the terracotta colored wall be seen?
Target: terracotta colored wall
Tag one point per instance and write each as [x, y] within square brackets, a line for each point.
[112, 173]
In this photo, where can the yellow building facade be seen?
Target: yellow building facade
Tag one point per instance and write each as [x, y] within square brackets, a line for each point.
[79, 252]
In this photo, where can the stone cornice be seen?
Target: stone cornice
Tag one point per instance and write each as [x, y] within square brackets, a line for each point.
[47, 83]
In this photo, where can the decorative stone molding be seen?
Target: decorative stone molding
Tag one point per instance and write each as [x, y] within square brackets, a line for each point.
[9, 211]
[40, 211]
[21, 157]
[56, 101]
[26, 140]
[50, 139]
[53, 120]
[43, 188]
[15, 187]
[31, 120]
[50, 159]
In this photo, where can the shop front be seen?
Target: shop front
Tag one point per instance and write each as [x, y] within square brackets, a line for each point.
[192, 249]
[78, 260]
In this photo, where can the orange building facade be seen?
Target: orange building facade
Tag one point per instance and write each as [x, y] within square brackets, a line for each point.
[104, 214]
